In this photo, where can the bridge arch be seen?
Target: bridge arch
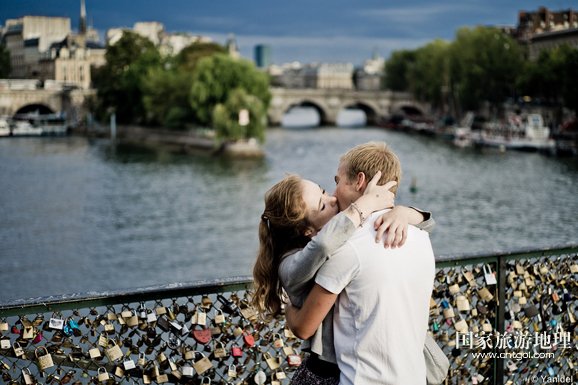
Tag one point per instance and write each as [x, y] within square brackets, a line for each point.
[321, 110]
[35, 108]
[371, 111]
[407, 109]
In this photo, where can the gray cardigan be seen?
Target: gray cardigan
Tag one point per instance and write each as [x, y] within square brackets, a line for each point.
[298, 269]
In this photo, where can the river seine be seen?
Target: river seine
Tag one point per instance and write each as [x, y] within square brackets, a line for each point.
[82, 215]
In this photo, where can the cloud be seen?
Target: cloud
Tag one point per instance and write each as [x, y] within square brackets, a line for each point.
[416, 14]
[319, 48]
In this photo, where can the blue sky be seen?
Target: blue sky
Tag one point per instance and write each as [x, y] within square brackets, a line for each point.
[307, 31]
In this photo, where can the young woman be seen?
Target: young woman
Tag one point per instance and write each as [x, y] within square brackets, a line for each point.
[300, 228]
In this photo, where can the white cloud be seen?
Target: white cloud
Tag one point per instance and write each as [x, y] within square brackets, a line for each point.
[415, 14]
[328, 49]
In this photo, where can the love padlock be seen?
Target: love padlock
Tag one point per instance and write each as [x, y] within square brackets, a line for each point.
[114, 352]
[18, 351]
[294, 360]
[488, 275]
[272, 362]
[232, 372]
[219, 317]
[202, 335]
[44, 361]
[102, 374]
[249, 339]
[278, 341]
[236, 351]
[203, 364]
[219, 350]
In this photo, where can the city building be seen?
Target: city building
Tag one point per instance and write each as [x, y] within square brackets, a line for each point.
[27, 37]
[168, 43]
[45, 48]
[329, 76]
[369, 77]
[262, 56]
[544, 29]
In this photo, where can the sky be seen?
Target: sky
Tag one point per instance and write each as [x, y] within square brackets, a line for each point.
[336, 31]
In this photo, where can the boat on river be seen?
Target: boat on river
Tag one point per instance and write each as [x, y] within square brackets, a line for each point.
[4, 127]
[34, 124]
[523, 133]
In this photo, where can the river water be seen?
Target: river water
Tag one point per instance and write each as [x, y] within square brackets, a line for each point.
[82, 215]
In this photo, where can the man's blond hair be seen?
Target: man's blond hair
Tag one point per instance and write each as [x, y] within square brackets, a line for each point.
[369, 158]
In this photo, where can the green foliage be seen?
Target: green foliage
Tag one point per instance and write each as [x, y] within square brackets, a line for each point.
[484, 64]
[225, 117]
[5, 65]
[428, 72]
[215, 77]
[166, 97]
[187, 59]
[120, 80]
[397, 70]
[552, 77]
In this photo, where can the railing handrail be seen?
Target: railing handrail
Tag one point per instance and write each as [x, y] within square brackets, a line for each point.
[92, 299]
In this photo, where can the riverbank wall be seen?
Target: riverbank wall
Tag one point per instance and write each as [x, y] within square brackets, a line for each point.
[189, 141]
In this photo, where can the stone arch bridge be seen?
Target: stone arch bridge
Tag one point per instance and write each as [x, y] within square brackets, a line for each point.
[24, 97]
[328, 103]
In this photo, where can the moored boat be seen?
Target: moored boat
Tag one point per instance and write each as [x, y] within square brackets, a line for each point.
[523, 133]
[4, 127]
[34, 124]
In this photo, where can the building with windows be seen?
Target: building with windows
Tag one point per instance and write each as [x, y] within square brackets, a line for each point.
[262, 56]
[545, 29]
[45, 48]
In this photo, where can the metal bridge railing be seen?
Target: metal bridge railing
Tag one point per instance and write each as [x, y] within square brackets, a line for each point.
[519, 306]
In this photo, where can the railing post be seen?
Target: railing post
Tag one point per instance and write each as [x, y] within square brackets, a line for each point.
[501, 310]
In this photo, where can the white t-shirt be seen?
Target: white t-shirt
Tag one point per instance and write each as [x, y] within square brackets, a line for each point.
[381, 315]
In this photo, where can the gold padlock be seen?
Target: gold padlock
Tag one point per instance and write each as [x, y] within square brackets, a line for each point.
[463, 303]
[102, 374]
[114, 352]
[278, 341]
[461, 326]
[272, 362]
[219, 317]
[219, 350]
[44, 361]
[202, 365]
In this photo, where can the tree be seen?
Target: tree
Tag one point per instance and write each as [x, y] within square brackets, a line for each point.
[484, 63]
[428, 73]
[552, 77]
[166, 97]
[226, 117]
[120, 80]
[5, 65]
[568, 67]
[397, 70]
[215, 77]
[188, 58]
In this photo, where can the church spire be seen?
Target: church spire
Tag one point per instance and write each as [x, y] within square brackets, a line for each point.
[82, 22]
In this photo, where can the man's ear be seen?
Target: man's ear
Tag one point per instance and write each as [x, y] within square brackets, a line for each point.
[361, 181]
[309, 232]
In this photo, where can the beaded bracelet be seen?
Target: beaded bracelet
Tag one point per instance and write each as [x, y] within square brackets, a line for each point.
[361, 217]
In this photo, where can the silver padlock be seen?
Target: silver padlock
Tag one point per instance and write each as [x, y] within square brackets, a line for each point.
[488, 275]
[188, 370]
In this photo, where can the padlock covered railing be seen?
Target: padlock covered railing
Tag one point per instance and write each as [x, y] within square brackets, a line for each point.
[486, 312]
